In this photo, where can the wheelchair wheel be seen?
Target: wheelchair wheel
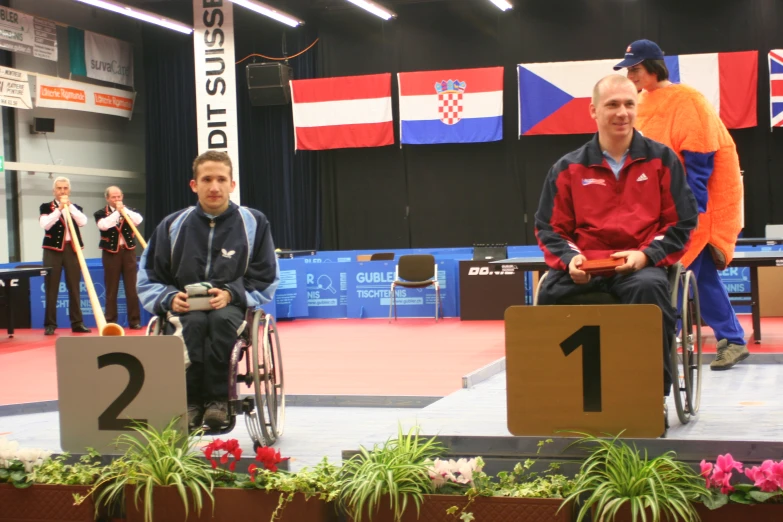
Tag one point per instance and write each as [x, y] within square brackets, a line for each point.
[686, 354]
[261, 431]
[153, 327]
[276, 401]
[692, 341]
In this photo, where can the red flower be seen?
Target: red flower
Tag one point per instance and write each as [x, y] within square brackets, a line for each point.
[229, 447]
[269, 458]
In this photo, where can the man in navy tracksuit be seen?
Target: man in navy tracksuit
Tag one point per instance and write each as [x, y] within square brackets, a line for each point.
[621, 195]
[220, 243]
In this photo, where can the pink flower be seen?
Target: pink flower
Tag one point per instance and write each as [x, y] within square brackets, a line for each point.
[726, 464]
[721, 474]
[706, 470]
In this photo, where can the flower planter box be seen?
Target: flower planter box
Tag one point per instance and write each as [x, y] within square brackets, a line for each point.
[727, 513]
[739, 512]
[231, 505]
[484, 509]
[44, 503]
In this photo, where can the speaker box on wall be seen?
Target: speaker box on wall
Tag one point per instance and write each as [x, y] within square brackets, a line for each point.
[42, 126]
[268, 84]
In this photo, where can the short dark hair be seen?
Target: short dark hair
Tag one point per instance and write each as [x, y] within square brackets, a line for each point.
[213, 155]
[656, 67]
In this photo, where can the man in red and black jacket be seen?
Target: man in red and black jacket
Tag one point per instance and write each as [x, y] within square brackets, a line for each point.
[58, 254]
[623, 196]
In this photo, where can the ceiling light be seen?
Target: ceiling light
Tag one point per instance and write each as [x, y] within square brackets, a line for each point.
[139, 14]
[374, 8]
[269, 11]
[503, 5]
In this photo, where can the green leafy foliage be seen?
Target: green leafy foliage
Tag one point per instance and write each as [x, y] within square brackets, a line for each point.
[521, 482]
[615, 475]
[396, 470]
[83, 472]
[15, 475]
[322, 482]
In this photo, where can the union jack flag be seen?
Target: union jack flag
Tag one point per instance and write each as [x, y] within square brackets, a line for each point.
[593, 181]
[776, 87]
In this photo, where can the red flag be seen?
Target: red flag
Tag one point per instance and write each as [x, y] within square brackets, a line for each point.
[342, 112]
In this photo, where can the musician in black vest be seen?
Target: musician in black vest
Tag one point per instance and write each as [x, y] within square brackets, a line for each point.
[58, 253]
[118, 243]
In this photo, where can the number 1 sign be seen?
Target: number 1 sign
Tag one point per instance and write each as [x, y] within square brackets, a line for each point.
[593, 368]
[106, 384]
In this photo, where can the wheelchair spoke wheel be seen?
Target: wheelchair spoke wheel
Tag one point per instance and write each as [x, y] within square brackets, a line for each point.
[261, 384]
[679, 353]
[693, 340]
[276, 401]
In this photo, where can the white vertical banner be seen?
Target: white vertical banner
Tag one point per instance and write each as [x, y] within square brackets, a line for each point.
[216, 100]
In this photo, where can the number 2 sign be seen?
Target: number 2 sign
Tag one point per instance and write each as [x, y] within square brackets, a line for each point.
[593, 368]
[106, 384]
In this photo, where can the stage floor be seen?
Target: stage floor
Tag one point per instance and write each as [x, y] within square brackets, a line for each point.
[415, 357]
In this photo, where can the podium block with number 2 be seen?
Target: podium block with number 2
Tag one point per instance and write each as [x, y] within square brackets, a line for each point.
[106, 384]
[591, 368]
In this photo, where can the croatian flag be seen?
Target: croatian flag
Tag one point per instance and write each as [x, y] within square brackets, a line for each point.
[457, 106]
[554, 98]
[776, 87]
[342, 112]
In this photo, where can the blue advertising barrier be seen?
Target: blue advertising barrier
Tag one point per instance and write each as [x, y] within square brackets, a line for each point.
[369, 291]
[327, 289]
[38, 300]
[291, 294]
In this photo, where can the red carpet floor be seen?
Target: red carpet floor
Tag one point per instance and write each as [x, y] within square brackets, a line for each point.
[416, 357]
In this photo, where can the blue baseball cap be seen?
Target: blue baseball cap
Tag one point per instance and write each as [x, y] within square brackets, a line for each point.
[639, 51]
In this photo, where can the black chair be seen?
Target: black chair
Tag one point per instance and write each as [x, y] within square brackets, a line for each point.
[415, 271]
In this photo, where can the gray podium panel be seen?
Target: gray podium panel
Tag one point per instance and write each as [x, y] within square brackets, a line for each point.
[104, 383]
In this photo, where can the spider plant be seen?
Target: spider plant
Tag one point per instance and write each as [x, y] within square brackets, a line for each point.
[616, 474]
[157, 458]
[397, 469]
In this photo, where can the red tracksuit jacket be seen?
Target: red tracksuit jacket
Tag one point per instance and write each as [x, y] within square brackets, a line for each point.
[584, 209]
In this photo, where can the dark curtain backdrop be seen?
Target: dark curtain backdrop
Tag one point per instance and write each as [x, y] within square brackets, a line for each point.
[282, 184]
[455, 195]
[170, 99]
[439, 195]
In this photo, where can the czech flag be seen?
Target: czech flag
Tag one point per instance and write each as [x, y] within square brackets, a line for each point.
[554, 98]
[456, 106]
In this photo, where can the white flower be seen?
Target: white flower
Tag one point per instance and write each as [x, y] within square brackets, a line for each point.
[8, 450]
[32, 457]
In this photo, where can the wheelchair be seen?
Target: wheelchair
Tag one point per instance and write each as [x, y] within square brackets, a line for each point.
[258, 345]
[685, 358]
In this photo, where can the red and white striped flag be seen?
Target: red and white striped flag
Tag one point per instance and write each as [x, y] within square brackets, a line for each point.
[342, 112]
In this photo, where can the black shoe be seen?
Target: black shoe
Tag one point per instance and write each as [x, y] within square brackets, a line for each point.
[216, 415]
[135, 327]
[49, 330]
[80, 328]
[195, 415]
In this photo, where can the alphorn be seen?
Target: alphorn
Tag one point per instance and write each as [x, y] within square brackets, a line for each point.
[106, 330]
[135, 230]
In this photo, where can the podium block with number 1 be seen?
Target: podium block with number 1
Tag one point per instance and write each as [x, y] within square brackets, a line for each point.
[591, 368]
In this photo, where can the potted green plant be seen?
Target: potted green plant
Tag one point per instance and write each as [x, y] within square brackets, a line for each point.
[621, 483]
[382, 483]
[163, 476]
[521, 494]
[35, 486]
[155, 468]
[761, 501]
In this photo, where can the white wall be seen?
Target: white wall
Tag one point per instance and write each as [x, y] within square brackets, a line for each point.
[81, 139]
